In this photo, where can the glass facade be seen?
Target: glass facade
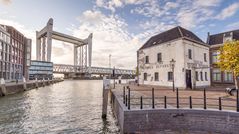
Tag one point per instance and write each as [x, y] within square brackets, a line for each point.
[40, 70]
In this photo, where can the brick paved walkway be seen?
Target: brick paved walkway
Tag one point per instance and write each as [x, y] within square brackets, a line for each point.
[213, 94]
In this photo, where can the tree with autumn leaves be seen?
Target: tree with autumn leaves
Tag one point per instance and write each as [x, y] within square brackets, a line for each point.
[229, 59]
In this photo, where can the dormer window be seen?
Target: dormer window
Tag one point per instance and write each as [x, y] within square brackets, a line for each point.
[227, 37]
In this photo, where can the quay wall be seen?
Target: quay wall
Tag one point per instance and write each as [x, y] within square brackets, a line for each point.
[118, 110]
[175, 120]
[11, 88]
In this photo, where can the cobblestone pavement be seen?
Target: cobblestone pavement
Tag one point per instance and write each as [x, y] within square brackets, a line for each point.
[228, 102]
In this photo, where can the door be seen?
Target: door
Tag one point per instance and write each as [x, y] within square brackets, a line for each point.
[188, 79]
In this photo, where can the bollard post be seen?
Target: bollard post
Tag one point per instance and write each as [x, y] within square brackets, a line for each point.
[36, 82]
[129, 99]
[220, 103]
[3, 87]
[43, 82]
[205, 99]
[141, 102]
[153, 98]
[237, 101]
[177, 98]
[190, 102]
[106, 88]
[165, 102]
[24, 84]
[126, 100]
[124, 95]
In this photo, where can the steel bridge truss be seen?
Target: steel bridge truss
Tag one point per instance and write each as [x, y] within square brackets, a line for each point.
[82, 47]
[62, 68]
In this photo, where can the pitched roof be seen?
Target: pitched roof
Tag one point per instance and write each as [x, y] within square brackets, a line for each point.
[218, 38]
[172, 34]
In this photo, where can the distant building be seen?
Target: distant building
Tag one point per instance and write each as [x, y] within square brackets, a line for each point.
[15, 52]
[216, 41]
[41, 70]
[190, 53]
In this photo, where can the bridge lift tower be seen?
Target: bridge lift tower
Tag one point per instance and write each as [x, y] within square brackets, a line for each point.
[82, 47]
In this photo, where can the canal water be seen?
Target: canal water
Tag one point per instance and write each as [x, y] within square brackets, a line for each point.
[66, 107]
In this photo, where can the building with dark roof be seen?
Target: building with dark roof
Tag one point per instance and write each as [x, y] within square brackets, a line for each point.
[190, 54]
[216, 41]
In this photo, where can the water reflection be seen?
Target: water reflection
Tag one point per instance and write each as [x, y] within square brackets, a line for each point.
[66, 107]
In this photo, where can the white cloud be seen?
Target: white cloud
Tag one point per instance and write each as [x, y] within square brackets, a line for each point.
[233, 26]
[110, 36]
[6, 2]
[228, 11]
[207, 3]
[113, 4]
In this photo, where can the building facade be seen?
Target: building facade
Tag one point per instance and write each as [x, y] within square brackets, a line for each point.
[216, 41]
[41, 70]
[190, 54]
[15, 52]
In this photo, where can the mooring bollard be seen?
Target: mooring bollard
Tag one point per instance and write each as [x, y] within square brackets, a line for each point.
[153, 98]
[165, 102]
[237, 101]
[205, 99]
[36, 82]
[220, 103]
[106, 88]
[129, 99]
[190, 102]
[141, 102]
[24, 84]
[43, 82]
[177, 98]
[3, 87]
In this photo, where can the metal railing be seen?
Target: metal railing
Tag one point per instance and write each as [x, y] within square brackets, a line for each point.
[132, 101]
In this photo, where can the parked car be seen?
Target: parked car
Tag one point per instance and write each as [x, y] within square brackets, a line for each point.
[231, 91]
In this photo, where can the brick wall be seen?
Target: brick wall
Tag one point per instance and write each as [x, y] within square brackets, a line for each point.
[178, 120]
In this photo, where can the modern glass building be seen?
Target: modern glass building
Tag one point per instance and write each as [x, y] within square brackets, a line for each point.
[40, 70]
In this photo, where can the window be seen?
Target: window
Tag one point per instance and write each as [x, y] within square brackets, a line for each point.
[159, 57]
[216, 75]
[215, 57]
[146, 59]
[145, 76]
[201, 74]
[189, 53]
[197, 76]
[170, 76]
[206, 76]
[156, 76]
[228, 77]
[205, 57]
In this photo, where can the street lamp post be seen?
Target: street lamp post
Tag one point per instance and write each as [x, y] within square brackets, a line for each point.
[172, 63]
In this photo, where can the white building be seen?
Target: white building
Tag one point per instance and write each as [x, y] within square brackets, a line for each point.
[191, 56]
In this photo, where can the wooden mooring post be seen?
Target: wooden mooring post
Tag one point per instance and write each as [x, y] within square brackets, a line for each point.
[106, 88]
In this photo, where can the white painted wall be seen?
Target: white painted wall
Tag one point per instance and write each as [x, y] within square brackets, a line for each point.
[177, 50]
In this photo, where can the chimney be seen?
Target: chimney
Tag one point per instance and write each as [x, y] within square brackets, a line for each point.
[208, 37]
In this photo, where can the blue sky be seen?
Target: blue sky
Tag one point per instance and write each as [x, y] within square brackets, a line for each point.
[119, 27]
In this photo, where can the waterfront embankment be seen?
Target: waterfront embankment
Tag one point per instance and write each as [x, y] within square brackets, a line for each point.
[11, 88]
[148, 111]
